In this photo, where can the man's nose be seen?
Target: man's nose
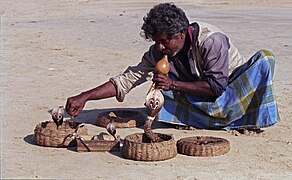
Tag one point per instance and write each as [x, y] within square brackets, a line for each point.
[160, 47]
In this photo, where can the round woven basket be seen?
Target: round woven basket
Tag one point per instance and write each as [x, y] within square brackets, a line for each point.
[121, 118]
[47, 134]
[203, 146]
[138, 147]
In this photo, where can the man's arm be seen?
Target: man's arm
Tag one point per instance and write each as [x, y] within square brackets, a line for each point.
[117, 86]
[75, 104]
[198, 88]
[215, 62]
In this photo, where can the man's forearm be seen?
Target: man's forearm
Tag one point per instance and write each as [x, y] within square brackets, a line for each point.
[103, 91]
[199, 88]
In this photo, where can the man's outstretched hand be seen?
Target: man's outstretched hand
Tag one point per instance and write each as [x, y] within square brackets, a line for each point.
[75, 104]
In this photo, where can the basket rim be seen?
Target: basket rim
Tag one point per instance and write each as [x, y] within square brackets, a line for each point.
[170, 136]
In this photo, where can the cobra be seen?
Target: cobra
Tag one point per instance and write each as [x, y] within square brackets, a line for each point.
[155, 100]
[154, 103]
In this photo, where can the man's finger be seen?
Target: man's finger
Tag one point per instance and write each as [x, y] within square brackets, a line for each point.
[75, 112]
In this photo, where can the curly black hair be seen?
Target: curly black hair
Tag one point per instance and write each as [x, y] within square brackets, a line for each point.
[164, 18]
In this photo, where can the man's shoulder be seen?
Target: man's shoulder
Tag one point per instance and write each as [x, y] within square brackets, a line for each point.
[205, 30]
[203, 24]
[206, 27]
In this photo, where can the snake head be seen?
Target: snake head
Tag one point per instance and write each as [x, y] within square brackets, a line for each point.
[111, 128]
[58, 115]
[154, 102]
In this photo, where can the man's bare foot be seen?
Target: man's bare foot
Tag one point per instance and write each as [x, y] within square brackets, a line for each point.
[181, 127]
[245, 131]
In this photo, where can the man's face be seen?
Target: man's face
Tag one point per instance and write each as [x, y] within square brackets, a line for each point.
[169, 46]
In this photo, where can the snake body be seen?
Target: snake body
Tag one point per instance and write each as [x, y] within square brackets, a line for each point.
[148, 130]
[154, 103]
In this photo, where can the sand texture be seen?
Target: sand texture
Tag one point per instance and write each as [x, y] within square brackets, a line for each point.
[53, 49]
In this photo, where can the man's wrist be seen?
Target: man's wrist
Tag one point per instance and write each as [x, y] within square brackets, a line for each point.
[85, 95]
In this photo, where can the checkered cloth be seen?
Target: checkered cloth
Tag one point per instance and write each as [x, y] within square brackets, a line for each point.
[247, 102]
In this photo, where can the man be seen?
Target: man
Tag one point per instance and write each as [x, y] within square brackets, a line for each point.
[210, 85]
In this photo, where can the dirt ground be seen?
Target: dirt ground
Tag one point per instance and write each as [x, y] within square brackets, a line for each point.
[51, 50]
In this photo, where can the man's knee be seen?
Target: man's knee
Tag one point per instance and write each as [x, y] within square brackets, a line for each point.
[269, 58]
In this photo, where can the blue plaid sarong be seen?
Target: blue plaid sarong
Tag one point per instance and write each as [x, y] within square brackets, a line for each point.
[247, 102]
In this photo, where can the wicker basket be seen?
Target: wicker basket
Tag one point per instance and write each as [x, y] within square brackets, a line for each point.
[47, 134]
[138, 147]
[121, 118]
[203, 146]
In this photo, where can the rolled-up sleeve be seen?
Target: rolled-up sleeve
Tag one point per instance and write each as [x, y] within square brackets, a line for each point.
[134, 76]
[215, 61]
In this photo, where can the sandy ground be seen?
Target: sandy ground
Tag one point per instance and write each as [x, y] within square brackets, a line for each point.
[54, 49]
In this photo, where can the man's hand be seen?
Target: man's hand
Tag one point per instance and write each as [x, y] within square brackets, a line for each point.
[163, 82]
[75, 104]
[197, 88]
